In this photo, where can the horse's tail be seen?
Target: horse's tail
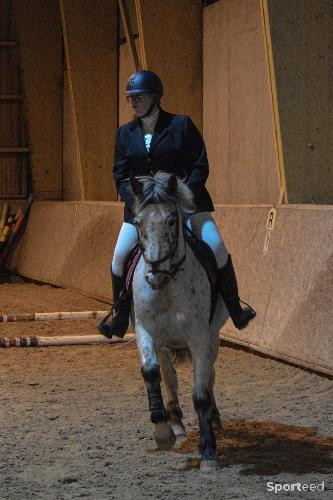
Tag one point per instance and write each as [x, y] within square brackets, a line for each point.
[180, 355]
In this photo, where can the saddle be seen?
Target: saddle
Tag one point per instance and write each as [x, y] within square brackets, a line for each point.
[201, 250]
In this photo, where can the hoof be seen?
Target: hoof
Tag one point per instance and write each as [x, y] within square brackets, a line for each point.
[164, 436]
[105, 329]
[178, 429]
[209, 466]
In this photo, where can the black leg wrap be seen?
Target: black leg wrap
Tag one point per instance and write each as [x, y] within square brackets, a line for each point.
[215, 415]
[216, 420]
[202, 404]
[152, 377]
[207, 439]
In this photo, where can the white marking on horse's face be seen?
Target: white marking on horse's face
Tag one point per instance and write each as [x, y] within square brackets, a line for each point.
[157, 227]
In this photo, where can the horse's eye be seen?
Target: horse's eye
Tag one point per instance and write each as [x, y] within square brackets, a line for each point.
[172, 222]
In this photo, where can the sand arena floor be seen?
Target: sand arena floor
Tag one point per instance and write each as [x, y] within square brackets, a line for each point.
[74, 420]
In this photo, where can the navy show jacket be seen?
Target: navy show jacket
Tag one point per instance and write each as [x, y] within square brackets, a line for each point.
[176, 147]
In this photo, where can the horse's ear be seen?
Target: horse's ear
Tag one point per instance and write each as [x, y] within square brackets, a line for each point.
[172, 184]
[136, 186]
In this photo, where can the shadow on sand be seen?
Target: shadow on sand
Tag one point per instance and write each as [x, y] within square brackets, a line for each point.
[267, 448]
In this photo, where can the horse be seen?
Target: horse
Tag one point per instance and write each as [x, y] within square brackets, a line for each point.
[172, 311]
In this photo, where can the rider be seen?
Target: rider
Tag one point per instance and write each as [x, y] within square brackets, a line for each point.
[157, 140]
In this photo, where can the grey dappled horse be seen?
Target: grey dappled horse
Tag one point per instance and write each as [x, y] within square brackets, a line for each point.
[172, 301]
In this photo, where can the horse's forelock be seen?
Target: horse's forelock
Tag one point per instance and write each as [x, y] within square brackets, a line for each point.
[155, 191]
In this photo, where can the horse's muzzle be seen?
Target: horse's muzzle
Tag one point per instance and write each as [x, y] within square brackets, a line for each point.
[157, 280]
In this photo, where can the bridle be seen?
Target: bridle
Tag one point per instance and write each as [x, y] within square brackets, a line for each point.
[169, 256]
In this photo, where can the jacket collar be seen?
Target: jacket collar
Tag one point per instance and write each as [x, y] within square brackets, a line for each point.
[164, 119]
[161, 129]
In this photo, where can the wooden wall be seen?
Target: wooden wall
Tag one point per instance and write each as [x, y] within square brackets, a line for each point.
[302, 42]
[238, 113]
[236, 109]
[172, 37]
[38, 30]
[90, 36]
[90, 94]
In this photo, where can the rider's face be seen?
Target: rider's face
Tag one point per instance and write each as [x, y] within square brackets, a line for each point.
[141, 103]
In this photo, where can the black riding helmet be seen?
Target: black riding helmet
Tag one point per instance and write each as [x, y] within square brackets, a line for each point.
[144, 81]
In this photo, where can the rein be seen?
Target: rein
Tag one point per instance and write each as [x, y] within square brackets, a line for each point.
[169, 256]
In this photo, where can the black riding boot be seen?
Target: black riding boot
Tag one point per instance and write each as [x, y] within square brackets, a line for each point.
[227, 287]
[119, 313]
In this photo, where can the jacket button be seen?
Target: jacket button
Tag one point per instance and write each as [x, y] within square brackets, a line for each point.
[148, 159]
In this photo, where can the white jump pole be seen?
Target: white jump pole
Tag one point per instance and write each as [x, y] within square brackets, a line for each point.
[50, 316]
[57, 341]
[60, 341]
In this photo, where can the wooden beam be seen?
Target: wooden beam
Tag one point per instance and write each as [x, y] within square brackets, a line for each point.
[71, 94]
[15, 150]
[275, 104]
[128, 33]
[8, 45]
[11, 98]
[138, 10]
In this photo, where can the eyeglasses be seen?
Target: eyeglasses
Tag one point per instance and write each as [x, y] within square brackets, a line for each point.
[136, 97]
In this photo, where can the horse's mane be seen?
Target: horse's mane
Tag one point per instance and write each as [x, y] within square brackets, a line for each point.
[155, 190]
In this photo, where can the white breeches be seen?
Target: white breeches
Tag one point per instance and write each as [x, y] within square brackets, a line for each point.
[127, 239]
[202, 224]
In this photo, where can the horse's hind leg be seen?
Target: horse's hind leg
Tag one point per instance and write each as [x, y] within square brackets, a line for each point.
[169, 377]
[203, 361]
[164, 435]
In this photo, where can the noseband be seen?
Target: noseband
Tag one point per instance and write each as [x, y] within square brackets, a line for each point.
[169, 256]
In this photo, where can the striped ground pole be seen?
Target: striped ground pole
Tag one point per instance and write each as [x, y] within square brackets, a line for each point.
[61, 341]
[50, 316]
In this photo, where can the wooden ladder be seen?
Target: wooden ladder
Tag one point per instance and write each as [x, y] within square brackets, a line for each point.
[15, 153]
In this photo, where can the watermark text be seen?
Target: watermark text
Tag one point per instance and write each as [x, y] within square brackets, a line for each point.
[278, 487]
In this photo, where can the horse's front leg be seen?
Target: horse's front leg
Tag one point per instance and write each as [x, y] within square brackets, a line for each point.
[203, 361]
[216, 417]
[150, 369]
[169, 375]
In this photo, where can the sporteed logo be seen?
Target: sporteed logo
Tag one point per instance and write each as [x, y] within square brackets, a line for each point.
[278, 487]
